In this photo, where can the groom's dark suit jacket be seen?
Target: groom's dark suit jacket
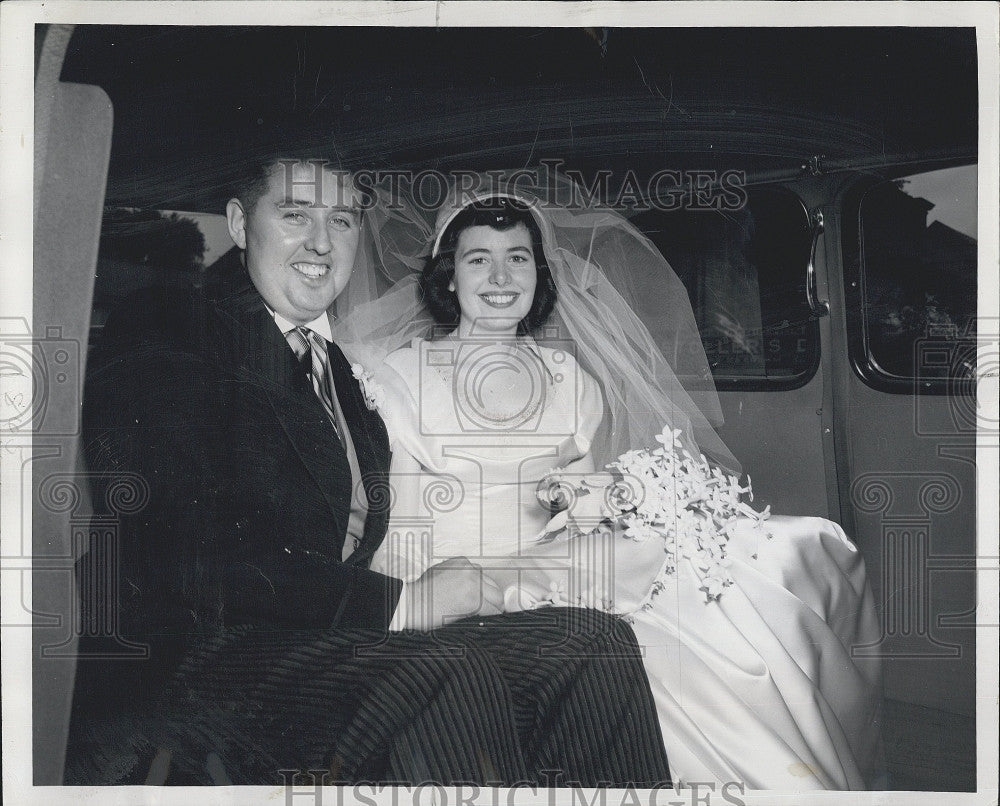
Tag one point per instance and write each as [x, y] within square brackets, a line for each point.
[249, 488]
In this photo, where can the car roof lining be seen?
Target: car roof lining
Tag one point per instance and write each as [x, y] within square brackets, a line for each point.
[190, 102]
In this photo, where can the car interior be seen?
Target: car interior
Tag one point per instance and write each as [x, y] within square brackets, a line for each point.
[814, 188]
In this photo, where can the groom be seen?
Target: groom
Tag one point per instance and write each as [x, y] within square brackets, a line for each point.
[271, 646]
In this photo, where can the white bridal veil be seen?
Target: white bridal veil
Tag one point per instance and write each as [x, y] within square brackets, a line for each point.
[593, 253]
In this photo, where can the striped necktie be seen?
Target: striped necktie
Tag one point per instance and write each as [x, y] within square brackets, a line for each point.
[304, 341]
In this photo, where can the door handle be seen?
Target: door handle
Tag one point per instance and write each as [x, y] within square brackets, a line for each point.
[817, 306]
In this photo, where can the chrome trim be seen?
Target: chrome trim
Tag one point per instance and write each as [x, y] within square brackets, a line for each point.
[818, 307]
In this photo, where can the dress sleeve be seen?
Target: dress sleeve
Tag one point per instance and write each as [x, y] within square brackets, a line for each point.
[397, 407]
[404, 553]
[589, 409]
[576, 460]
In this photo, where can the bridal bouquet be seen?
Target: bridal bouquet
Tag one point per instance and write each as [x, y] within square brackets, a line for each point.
[661, 494]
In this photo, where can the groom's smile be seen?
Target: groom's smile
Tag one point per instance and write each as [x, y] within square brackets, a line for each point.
[313, 271]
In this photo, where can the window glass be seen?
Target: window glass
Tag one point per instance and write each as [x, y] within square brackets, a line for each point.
[142, 248]
[918, 272]
[745, 273]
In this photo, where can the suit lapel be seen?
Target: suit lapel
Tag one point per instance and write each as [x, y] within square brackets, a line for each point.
[371, 444]
[270, 363]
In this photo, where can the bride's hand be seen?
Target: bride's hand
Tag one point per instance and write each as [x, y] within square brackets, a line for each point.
[450, 590]
[602, 569]
[526, 595]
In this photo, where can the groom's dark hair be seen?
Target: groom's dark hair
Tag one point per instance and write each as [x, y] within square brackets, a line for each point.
[500, 214]
[252, 183]
[257, 169]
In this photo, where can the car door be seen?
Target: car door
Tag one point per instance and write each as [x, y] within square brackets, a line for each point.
[899, 254]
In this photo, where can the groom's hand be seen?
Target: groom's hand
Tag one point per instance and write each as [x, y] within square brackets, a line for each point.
[448, 591]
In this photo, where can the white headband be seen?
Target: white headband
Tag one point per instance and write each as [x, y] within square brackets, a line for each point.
[449, 211]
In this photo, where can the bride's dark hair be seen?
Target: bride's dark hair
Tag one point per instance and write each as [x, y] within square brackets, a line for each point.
[500, 214]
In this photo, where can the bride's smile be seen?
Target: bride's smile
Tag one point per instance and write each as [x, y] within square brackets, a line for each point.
[499, 300]
[495, 279]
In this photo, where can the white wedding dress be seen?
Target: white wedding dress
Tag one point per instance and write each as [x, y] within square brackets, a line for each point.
[758, 687]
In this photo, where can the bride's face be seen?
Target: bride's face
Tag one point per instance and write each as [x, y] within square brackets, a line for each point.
[494, 279]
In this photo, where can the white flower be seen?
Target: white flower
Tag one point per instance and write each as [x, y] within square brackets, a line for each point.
[639, 531]
[516, 598]
[713, 586]
[637, 463]
[372, 391]
[692, 506]
[670, 437]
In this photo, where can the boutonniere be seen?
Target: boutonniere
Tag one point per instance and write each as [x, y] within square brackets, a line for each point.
[371, 389]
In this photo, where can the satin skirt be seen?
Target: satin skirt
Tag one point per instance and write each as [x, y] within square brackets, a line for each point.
[765, 687]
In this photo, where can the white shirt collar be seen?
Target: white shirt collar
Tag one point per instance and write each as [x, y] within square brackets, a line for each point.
[319, 325]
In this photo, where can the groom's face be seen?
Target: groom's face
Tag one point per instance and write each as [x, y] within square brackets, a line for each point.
[300, 238]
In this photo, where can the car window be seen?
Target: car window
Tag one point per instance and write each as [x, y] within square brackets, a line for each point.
[915, 282]
[745, 272]
[152, 248]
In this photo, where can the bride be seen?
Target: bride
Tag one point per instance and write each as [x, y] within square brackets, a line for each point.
[510, 372]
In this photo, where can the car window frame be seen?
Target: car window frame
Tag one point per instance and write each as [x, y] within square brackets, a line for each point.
[779, 383]
[859, 354]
